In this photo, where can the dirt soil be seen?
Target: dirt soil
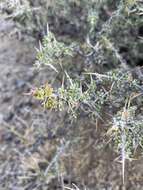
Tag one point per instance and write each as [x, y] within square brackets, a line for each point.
[29, 135]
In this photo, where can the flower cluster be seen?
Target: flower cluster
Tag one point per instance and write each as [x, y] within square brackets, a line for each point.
[46, 96]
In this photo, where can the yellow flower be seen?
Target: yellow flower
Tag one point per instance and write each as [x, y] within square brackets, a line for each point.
[48, 90]
[45, 93]
[39, 94]
[50, 103]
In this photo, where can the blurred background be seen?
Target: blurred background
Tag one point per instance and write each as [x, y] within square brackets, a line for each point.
[34, 143]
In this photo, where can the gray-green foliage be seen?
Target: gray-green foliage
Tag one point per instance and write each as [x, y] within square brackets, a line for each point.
[51, 51]
[90, 92]
[104, 37]
[133, 126]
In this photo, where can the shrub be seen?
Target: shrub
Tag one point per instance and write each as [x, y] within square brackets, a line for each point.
[94, 48]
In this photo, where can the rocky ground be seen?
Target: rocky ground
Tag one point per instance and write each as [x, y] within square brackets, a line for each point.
[30, 136]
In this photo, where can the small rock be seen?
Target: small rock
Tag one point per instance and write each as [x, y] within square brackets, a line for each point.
[8, 117]
[19, 83]
[7, 98]
[8, 136]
